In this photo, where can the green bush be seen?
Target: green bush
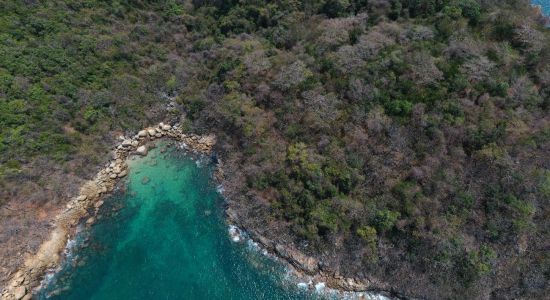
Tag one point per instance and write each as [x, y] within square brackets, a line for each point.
[368, 234]
[400, 108]
[470, 9]
[544, 186]
[385, 220]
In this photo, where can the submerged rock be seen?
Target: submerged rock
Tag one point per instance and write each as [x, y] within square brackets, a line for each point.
[320, 286]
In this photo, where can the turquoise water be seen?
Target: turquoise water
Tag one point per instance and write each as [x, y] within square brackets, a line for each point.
[165, 238]
[545, 4]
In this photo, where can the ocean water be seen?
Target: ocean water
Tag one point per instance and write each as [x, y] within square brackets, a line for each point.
[165, 238]
[545, 4]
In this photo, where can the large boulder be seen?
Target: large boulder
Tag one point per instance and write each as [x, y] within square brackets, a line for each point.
[208, 140]
[20, 292]
[141, 150]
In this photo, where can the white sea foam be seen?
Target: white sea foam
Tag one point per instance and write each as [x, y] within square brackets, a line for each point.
[252, 245]
[68, 256]
[302, 285]
[234, 233]
[320, 286]
[290, 277]
[201, 161]
[68, 252]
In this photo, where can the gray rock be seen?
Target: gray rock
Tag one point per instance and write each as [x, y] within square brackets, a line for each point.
[142, 150]
[298, 259]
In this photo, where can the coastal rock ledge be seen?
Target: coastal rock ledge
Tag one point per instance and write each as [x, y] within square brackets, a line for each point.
[23, 283]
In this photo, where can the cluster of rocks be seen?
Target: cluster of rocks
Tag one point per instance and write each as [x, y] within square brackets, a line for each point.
[87, 203]
[311, 267]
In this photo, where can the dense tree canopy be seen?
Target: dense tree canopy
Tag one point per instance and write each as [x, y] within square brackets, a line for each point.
[403, 140]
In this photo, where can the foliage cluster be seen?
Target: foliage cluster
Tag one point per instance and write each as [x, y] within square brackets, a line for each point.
[406, 131]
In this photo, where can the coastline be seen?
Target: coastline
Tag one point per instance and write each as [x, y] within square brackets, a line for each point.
[90, 198]
[310, 270]
[86, 204]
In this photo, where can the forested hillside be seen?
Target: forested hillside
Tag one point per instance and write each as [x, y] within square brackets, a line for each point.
[404, 141]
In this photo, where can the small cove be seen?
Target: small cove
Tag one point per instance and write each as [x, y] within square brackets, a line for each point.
[164, 237]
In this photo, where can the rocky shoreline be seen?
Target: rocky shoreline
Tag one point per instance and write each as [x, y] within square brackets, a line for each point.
[87, 203]
[312, 270]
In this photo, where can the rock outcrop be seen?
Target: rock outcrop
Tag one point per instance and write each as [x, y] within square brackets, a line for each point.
[89, 198]
[307, 267]
[308, 264]
[141, 150]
